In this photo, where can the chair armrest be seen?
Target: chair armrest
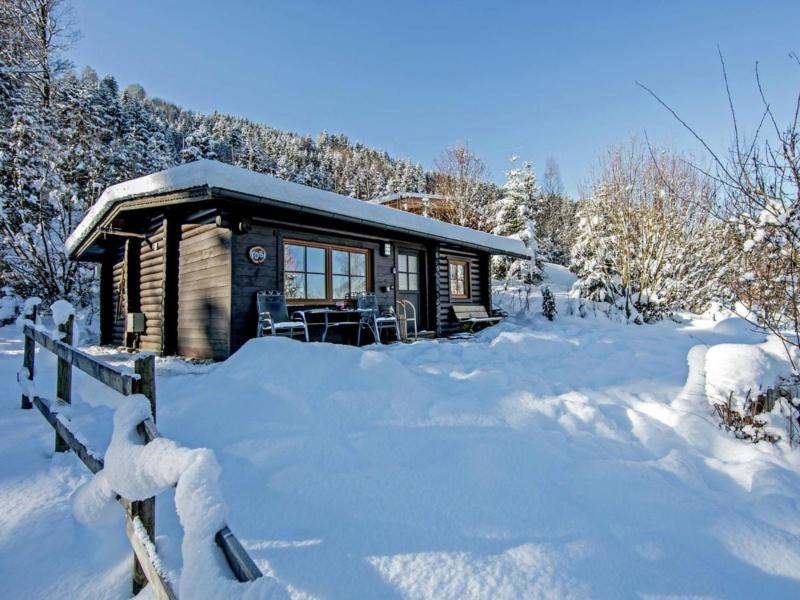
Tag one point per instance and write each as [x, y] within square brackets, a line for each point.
[302, 316]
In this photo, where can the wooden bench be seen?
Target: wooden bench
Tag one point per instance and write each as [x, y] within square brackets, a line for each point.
[471, 316]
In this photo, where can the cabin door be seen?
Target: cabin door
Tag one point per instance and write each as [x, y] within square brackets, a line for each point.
[409, 285]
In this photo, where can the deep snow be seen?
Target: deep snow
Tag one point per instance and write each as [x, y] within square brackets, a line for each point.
[573, 459]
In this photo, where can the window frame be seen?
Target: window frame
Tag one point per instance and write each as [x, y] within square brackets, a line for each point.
[329, 248]
[407, 272]
[465, 265]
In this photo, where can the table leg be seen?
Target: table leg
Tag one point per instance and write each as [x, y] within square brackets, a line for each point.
[325, 331]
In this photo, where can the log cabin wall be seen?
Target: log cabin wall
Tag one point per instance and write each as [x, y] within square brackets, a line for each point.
[477, 285]
[193, 279]
[248, 277]
[152, 281]
[118, 305]
[204, 290]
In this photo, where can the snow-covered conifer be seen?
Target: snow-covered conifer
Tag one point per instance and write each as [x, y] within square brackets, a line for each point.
[548, 304]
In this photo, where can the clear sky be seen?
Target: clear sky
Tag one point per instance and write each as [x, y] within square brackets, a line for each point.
[536, 79]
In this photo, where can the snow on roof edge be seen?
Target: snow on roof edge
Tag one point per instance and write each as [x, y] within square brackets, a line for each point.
[214, 174]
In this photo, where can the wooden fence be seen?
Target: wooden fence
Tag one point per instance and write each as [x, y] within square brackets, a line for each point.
[140, 515]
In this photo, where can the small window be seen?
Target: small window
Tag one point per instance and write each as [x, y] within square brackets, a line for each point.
[349, 272]
[459, 279]
[407, 273]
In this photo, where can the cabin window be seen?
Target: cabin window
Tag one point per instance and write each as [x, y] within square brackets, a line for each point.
[349, 272]
[407, 272]
[459, 279]
[304, 272]
[323, 273]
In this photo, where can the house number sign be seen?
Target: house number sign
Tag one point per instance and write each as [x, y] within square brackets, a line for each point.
[257, 254]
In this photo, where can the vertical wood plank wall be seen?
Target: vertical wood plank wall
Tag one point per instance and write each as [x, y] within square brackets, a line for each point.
[204, 291]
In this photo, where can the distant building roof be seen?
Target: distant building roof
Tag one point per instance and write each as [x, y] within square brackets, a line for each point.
[270, 190]
[415, 195]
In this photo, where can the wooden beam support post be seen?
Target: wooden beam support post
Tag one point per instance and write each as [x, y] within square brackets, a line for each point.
[145, 368]
[64, 376]
[145, 510]
[28, 360]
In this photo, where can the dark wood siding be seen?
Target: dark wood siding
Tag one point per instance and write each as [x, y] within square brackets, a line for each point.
[477, 284]
[248, 278]
[204, 291]
[151, 285]
[119, 301]
[106, 302]
[192, 278]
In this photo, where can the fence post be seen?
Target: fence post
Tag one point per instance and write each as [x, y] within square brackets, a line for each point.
[145, 367]
[28, 359]
[64, 376]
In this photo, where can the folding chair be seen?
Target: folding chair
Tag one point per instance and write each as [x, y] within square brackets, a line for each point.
[273, 316]
[367, 305]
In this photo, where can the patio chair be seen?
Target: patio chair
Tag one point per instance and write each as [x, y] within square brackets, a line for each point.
[273, 317]
[367, 304]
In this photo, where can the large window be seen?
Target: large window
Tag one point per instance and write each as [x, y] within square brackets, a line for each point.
[320, 273]
[459, 279]
[407, 272]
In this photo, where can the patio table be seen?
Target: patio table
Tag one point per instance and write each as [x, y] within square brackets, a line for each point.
[327, 312]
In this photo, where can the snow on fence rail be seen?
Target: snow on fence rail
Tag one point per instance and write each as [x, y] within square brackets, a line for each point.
[140, 514]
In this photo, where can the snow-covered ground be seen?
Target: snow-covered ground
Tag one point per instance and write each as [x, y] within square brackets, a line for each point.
[573, 459]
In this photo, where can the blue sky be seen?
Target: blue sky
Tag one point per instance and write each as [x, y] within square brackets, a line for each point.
[536, 79]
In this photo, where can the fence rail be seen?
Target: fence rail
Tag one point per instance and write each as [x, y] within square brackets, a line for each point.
[140, 515]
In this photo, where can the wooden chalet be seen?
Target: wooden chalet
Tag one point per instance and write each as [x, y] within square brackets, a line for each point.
[183, 252]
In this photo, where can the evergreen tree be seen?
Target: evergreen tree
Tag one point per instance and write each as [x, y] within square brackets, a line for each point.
[548, 304]
[517, 211]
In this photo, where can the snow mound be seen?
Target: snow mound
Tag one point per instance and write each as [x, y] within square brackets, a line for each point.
[743, 368]
[276, 378]
[527, 571]
[740, 329]
[560, 279]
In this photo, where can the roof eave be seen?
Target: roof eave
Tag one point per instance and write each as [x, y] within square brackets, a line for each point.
[218, 192]
[190, 194]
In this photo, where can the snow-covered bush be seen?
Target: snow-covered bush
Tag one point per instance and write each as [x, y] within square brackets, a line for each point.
[646, 242]
[758, 180]
[10, 305]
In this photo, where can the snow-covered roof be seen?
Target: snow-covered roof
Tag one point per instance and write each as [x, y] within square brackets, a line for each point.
[224, 177]
[400, 195]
